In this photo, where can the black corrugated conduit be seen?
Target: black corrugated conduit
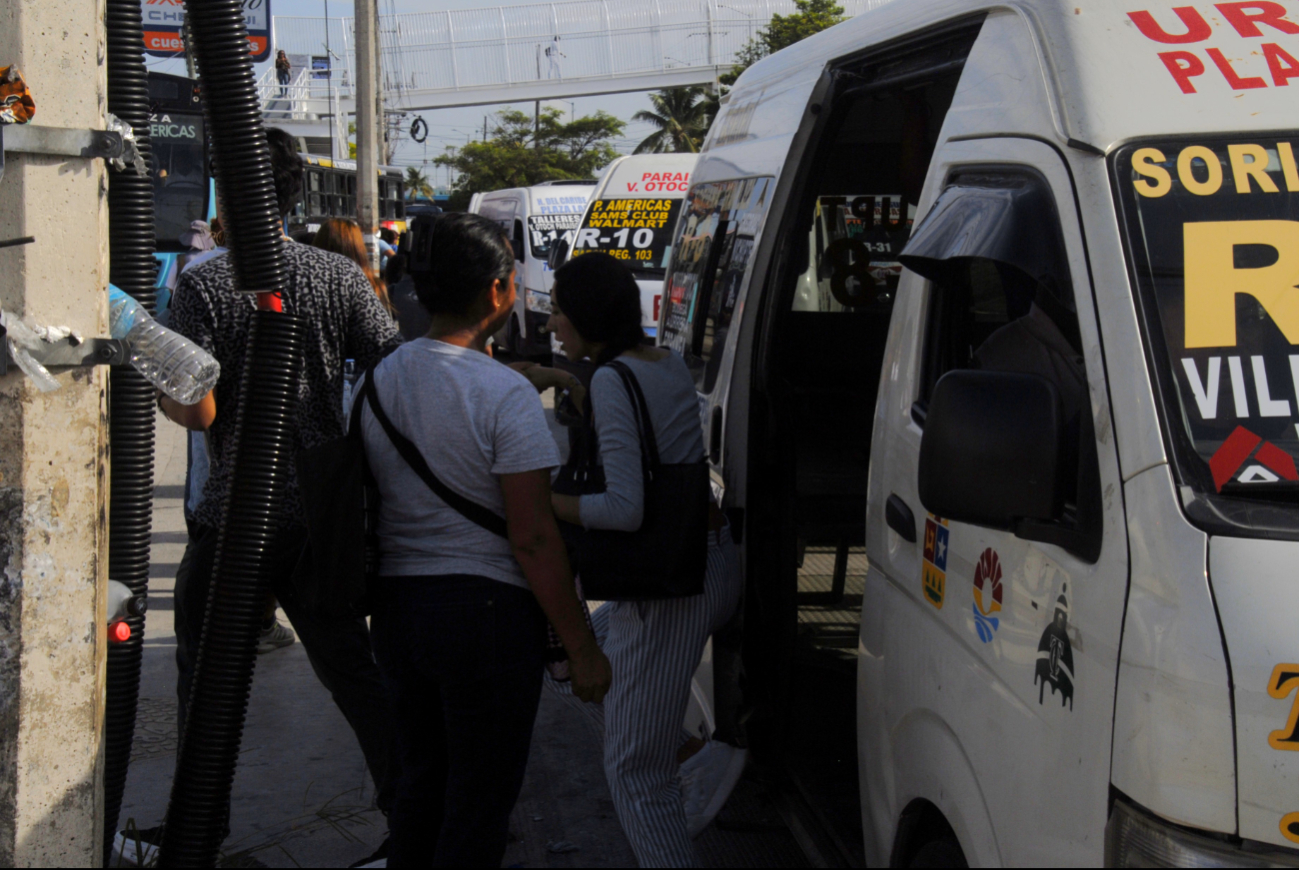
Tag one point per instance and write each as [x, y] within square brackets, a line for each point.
[263, 442]
[130, 398]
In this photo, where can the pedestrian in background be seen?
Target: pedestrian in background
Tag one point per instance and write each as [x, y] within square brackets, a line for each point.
[343, 319]
[342, 236]
[471, 561]
[282, 70]
[654, 646]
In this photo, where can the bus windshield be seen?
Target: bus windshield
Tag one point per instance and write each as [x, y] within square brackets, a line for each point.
[1213, 233]
[637, 231]
[544, 229]
[179, 175]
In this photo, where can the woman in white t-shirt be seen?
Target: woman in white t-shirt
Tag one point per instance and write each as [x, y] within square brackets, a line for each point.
[466, 583]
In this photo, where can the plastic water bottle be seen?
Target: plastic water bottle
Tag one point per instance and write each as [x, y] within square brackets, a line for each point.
[168, 360]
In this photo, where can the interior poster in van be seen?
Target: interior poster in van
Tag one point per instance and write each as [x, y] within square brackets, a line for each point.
[1213, 229]
[855, 245]
[636, 231]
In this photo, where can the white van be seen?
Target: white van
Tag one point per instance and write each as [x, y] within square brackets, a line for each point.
[534, 217]
[992, 312]
[632, 215]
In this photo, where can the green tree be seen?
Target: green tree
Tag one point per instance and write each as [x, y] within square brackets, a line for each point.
[522, 152]
[417, 184]
[682, 119]
[812, 16]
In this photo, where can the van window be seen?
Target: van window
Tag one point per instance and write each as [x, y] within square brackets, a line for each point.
[544, 229]
[712, 251]
[636, 231]
[1213, 236]
[1002, 299]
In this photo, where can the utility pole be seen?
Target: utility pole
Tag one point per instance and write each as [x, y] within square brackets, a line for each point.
[367, 133]
[484, 128]
[536, 125]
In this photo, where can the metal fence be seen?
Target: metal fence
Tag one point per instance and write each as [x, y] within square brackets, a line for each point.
[508, 45]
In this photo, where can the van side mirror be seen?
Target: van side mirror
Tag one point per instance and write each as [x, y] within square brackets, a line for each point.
[993, 450]
[558, 253]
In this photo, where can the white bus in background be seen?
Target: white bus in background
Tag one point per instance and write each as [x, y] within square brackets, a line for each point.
[632, 216]
[534, 217]
[991, 308]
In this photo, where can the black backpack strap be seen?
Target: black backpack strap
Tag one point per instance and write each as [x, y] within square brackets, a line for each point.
[649, 444]
[470, 510]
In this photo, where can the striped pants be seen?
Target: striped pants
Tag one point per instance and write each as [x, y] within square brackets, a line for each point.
[654, 648]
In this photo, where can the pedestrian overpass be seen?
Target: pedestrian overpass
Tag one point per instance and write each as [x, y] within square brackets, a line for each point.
[498, 54]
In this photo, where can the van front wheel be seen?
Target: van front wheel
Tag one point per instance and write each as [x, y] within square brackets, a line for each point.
[942, 852]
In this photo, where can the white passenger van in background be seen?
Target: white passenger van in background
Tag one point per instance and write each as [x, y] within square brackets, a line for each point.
[534, 217]
[992, 310]
[632, 215]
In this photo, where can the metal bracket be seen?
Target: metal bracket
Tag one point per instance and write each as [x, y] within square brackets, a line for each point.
[58, 142]
[64, 354]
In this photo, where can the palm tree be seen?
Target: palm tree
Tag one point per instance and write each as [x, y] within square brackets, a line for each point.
[681, 119]
[417, 184]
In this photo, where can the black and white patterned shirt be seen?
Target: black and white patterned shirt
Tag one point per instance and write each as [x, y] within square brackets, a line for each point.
[345, 320]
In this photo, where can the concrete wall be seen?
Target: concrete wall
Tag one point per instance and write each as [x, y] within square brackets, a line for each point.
[53, 466]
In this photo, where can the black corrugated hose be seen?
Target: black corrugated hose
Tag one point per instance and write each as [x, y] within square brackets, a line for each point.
[130, 398]
[263, 442]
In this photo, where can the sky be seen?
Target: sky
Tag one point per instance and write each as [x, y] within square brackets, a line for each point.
[453, 126]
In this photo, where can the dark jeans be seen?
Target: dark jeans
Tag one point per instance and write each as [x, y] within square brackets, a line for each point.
[282, 76]
[462, 657]
[338, 649]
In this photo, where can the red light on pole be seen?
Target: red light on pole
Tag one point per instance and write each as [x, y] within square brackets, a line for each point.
[119, 632]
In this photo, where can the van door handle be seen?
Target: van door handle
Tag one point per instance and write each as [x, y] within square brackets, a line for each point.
[900, 518]
[715, 437]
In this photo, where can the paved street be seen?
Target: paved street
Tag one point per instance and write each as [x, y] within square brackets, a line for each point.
[302, 796]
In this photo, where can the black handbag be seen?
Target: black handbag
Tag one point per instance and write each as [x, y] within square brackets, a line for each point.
[341, 501]
[667, 556]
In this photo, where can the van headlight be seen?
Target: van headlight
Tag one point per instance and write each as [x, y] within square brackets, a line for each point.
[539, 302]
[1134, 838]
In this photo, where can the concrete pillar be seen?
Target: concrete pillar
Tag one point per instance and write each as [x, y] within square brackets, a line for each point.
[53, 468]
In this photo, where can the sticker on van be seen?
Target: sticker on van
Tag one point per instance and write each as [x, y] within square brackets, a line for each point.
[1281, 685]
[1243, 70]
[987, 595]
[1055, 655]
[933, 571]
[1290, 827]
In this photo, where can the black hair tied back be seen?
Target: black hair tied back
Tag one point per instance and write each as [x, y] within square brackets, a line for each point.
[599, 296]
[454, 259]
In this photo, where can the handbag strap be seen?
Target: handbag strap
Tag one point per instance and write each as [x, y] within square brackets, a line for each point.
[648, 443]
[470, 510]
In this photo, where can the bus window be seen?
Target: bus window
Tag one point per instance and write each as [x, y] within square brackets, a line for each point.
[712, 252]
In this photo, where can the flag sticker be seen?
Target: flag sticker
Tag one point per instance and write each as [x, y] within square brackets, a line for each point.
[933, 573]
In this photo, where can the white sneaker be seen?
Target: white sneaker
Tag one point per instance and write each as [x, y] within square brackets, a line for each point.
[273, 638]
[707, 779]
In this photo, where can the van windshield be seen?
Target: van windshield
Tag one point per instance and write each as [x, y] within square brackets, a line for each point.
[1213, 234]
[636, 231]
[544, 229]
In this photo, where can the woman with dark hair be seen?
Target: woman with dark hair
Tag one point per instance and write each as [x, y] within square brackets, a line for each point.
[471, 561]
[342, 236]
[654, 646]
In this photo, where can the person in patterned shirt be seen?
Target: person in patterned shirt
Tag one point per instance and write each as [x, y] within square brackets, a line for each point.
[344, 320]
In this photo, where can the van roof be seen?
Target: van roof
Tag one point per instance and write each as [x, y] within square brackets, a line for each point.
[641, 176]
[1110, 71]
[548, 197]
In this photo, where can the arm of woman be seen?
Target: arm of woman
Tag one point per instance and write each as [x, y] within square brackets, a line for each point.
[621, 506]
[540, 551]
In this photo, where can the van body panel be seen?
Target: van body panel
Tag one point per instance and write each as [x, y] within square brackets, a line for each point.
[1173, 743]
[1033, 739]
[1254, 584]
